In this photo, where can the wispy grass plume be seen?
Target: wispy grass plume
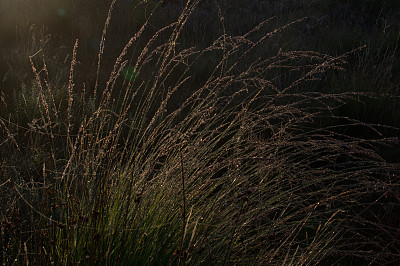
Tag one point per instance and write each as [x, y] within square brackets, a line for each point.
[158, 167]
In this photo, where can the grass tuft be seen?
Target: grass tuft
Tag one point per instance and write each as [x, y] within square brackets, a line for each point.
[217, 153]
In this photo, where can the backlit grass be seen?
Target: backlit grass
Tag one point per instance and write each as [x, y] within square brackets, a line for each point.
[178, 152]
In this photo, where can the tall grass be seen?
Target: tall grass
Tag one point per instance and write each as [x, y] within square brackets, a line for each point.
[153, 166]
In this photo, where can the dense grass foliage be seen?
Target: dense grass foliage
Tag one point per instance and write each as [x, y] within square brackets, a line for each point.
[199, 132]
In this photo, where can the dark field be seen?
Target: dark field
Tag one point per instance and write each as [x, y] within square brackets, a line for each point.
[208, 132]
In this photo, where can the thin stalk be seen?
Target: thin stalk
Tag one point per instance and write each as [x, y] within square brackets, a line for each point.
[183, 211]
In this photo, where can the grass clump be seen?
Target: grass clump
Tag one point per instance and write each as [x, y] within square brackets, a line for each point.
[153, 165]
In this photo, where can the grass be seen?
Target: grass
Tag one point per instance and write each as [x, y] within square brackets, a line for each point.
[175, 150]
